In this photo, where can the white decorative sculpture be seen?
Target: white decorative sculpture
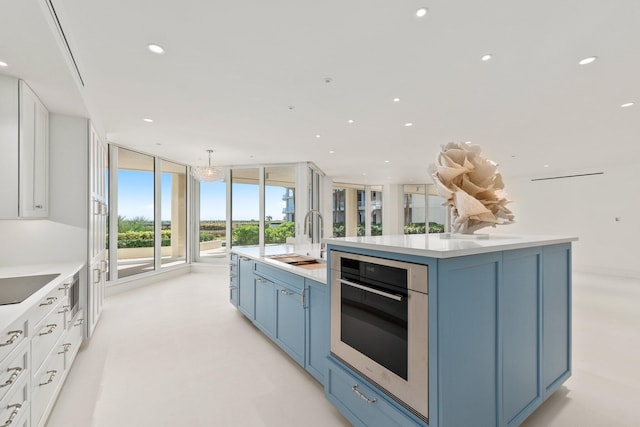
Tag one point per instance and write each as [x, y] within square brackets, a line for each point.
[472, 188]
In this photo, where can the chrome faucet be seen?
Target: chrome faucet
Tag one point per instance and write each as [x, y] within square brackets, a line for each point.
[306, 228]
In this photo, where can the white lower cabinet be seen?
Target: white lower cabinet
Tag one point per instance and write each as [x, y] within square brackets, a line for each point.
[14, 409]
[37, 350]
[45, 384]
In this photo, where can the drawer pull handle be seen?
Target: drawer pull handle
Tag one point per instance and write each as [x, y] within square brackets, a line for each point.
[233, 287]
[65, 287]
[12, 378]
[51, 327]
[50, 301]
[14, 336]
[65, 309]
[65, 348]
[16, 409]
[51, 377]
[261, 280]
[286, 292]
[232, 275]
[79, 322]
[362, 396]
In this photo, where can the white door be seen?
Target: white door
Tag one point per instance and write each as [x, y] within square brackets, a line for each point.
[97, 228]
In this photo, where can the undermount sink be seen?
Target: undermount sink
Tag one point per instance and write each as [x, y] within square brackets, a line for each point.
[297, 260]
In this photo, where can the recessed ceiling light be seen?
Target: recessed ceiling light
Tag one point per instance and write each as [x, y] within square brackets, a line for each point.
[409, 124]
[396, 99]
[3, 64]
[545, 166]
[317, 136]
[332, 152]
[421, 12]
[349, 121]
[364, 173]
[628, 104]
[387, 161]
[486, 57]
[155, 48]
[587, 60]
[148, 120]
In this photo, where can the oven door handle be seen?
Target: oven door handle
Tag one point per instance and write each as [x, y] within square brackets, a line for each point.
[372, 290]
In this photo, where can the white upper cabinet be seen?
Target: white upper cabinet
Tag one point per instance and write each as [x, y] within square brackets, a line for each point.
[34, 155]
[24, 152]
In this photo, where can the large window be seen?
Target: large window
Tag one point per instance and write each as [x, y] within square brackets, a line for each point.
[213, 220]
[436, 212]
[348, 210]
[173, 213]
[414, 209]
[245, 207]
[376, 210]
[136, 207]
[279, 204]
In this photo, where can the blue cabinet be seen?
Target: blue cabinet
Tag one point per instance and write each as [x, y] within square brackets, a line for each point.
[290, 321]
[317, 329]
[521, 345]
[265, 305]
[246, 287]
[556, 319]
[499, 341]
[234, 269]
[289, 309]
[467, 348]
[362, 404]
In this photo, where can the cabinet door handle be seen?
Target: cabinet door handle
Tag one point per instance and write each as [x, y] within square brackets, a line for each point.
[12, 378]
[304, 299]
[38, 206]
[50, 301]
[233, 287]
[52, 375]
[262, 280]
[51, 327]
[362, 396]
[98, 277]
[65, 287]
[16, 409]
[286, 292]
[79, 322]
[14, 336]
[65, 348]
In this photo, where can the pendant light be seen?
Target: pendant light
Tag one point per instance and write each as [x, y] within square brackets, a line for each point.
[207, 173]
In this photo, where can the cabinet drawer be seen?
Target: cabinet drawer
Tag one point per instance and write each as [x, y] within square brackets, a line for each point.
[14, 410]
[361, 404]
[278, 275]
[73, 340]
[44, 386]
[14, 335]
[46, 304]
[45, 335]
[14, 369]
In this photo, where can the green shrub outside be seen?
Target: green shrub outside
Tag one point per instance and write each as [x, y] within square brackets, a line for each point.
[249, 234]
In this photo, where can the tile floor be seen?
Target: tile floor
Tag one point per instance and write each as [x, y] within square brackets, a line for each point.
[177, 354]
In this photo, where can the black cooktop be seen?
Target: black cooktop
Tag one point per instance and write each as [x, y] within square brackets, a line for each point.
[14, 290]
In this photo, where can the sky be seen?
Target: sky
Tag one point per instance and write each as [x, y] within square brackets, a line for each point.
[135, 198]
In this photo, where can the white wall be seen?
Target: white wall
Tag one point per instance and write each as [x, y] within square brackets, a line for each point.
[40, 242]
[586, 207]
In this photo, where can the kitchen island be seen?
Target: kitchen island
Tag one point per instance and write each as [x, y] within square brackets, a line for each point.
[498, 324]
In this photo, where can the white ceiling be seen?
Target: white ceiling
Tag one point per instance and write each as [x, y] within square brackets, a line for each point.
[232, 70]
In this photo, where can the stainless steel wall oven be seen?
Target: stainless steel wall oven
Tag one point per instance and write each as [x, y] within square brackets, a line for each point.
[379, 324]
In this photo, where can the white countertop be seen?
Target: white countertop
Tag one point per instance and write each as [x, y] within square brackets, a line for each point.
[10, 312]
[253, 252]
[434, 246]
